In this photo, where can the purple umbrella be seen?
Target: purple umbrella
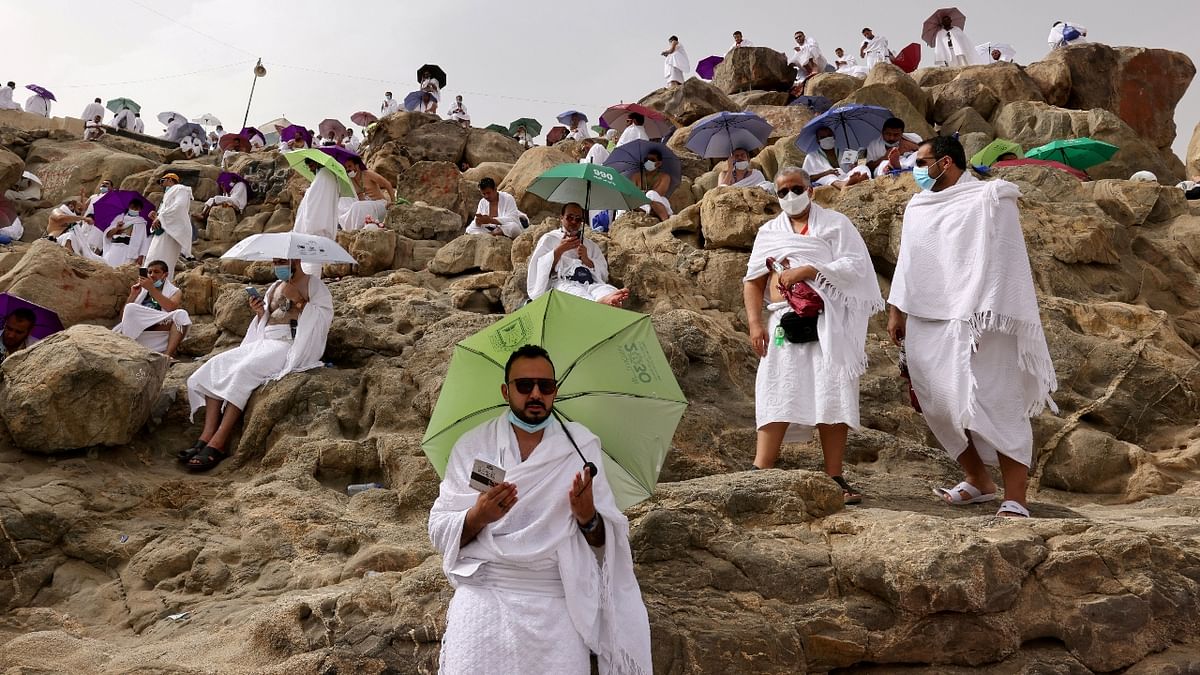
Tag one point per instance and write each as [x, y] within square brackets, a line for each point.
[115, 202]
[707, 66]
[226, 180]
[296, 131]
[44, 93]
[45, 321]
[342, 155]
[250, 132]
[413, 101]
[628, 159]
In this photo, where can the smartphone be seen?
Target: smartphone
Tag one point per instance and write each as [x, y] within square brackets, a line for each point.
[253, 292]
[143, 272]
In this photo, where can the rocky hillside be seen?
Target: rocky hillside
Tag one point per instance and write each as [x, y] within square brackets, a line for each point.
[117, 561]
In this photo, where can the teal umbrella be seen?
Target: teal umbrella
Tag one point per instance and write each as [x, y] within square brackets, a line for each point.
[532, 126]
[296, 159]
[612, 377]
[498, 128]
[116, 104]
[592, 186]
[1078, 153]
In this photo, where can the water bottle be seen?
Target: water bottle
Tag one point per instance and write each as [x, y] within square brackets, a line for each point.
[361, 487]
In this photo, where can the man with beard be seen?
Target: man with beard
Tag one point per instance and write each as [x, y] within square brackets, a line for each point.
[540, 560]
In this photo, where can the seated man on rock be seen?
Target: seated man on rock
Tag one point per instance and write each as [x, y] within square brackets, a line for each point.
[17, 328]
[566, 260]
[234, 194]
[824, 167]
[153, 315]
[126, 238]
[894, 150]
[656, 183]
[69, 228]
[497, 213]
[374, 194]
[739, 173]
[287, 335]
[93, 129]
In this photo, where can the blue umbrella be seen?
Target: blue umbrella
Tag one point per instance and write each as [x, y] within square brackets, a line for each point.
[817, 104]
[719, 134]
[565, 117]
[190, 129]
[628, 159]
[413, 101]
[854, 126]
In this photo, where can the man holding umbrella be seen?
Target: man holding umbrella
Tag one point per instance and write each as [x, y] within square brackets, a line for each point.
[951, 47]
[539, 557]
[566, 260]
[18, 326]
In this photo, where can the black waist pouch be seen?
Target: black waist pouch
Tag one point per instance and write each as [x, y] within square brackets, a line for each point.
[798, 329]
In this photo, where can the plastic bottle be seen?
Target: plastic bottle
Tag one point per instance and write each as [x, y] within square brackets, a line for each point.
[361, 487]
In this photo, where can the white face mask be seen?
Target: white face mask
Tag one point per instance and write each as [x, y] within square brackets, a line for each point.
[649, 165]
[741, 165]
[828, 143]
[132, 212]
[352, 174]
[794, 204]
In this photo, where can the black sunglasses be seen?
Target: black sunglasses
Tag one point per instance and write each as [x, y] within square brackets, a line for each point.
[795, 189]
[525, 385]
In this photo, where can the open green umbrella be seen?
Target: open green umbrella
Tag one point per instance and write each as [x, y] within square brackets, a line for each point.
[296, 159]
[1079, 153]
[532, 126]
[116, 104]
[992, 151]
[592, 186]
[612, 374]
[498, 128]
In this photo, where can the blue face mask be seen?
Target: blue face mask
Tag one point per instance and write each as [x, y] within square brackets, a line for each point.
[158, 284]
[283, 272]
[526, 426]
[924, 180]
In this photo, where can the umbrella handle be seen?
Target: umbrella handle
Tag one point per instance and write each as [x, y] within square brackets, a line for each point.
[591, 470]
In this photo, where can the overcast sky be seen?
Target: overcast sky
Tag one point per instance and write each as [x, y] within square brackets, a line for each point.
[508, 60]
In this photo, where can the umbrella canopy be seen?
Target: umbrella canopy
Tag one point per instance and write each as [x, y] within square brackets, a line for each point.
[628, 160]
[657, 126]
[599, 129]
[992, 151]
[226, 179]
[854, 126]
[414, 99]
[719, 134]
[817, 104]
[117, 104]
[592, 186]
[297, 158]
[296, 131]
[556, 134]
[331, 125]
[290, 246]
[433, 71]
[343, 155]
[116, 202]
[234, 142]
[8, 212]
[41, 91]
[1079, 153]
[1043, 162]
[1006, 51]
[191, 129]
[250, 132]
[45, 321]
[167, 116]
[933, 25]
[565, 117]
[909, 58]
[498, 128]
[707, 66]
[612, 377]
[207, 120]
[532, 126]
[274, 126]
[363, 118]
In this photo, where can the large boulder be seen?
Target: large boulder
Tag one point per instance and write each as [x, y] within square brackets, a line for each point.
[833, 86]
[439, 184]
[103, 383]
[747, 98]
[68, 168]
[533, 163]
[494, 170]
[1053, 78]
[421, 221]
[374, 249]
[730, 217]
[894, 101]
[1008, 81]
[396, 127]
[11, 168]
[690, 101]
[966, 121]
[949, 98]
[78, 290]
[1142, 86]
[441, 141]
[753, 68]
[891, 76]
[485, 146]
[473, 252]
[787, 120]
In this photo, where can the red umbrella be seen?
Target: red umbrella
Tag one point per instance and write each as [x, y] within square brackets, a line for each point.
[657, 126]
[1043, 162]
[909, 58]
[933, 25]
[363, 118]
[8, 212]
[233, 142]
[555, 135]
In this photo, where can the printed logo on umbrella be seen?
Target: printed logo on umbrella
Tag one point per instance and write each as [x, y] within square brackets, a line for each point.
[511, 336]
[638, 363]
[309, 248]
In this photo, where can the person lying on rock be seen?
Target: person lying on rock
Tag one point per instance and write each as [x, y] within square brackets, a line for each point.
[17, 328]
[973, 339]
[540, 561]
[373, 196]
[656, 183]
[287, 335]
[566, 260]
[153, 314]
[497, 213]
[894, 150]
[809, 365]
[739, 173]
[825, 167]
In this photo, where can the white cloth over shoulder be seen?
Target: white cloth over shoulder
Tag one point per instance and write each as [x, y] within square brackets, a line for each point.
[91, 110]
[1057, 37]
[38, 105]
[137, 319]
[6, 99]
[597, 155]
[809, 51]
[506, 212]
[817, 162]
[175, 218]
[318, 210]
[754, 179]
[953, 48]
[676, 65]
[134, 227]
[390, 105]
[236, 198]
[633, 132]
[876, 51]
[541, 277]
[495, 623]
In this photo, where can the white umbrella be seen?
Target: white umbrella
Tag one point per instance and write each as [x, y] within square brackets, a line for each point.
[165, 117]
[207, 120]
[1007, 53]
[290, 246]
[274, 126]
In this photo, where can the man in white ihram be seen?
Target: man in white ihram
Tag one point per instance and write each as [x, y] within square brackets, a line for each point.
[952, 47]
[963, 306]
[497, 213]
[540, 562]
[6, 100]
[874, 49]
[171, 231]
[566, 260]
[390, 105]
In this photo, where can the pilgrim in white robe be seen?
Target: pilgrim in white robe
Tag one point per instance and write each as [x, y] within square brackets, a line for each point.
[878, 150]
[530, 594]
[580, 131]
[14, 231]
[876, 51]
[257, 142]
[267, 353]
[38, 105]
[597, 155]
[91, 110]
[94, 234]
[1057, 40]
[139, 126]
[123, 119]
[811, 383]
[633, 132]
[173, 129]
[143, 313]
[353, 212]
[506, 212]
[176, 222]
[351, 144]
[79, 235]
[6, 99]
[118, 253]
[543, 275]
[976, 352]
[390, 105]
[676, 65]
[809, 51]
[318, 211]
[458, 113]
[754, 179]
[92, 131]
[817, 162]
[953, 48]
[236, 198]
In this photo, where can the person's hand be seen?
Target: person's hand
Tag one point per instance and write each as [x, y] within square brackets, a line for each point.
[496, 232]
[256, 305]
[568, 242]
[145, 283]
[583, 505]
[897, 322]
[797, 274]
[758, 338]
[581, 251]
[484, 219]
[492, 505]
[136, 287]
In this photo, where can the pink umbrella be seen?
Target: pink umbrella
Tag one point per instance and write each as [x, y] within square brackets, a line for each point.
[331, 125]
[933, 25]
[656, 126]
[363, 118]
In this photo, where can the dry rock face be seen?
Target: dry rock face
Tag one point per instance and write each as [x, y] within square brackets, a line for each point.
[752, 68]
[693, 100]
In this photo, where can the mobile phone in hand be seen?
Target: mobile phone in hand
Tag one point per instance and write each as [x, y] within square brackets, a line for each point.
[143, 272]
[253, 292]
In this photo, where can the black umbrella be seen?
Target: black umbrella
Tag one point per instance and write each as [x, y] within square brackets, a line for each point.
[430, 70]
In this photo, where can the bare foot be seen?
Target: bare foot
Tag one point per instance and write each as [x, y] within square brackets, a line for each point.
[616, 299]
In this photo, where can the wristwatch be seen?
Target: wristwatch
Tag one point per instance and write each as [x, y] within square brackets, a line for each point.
[591, 525]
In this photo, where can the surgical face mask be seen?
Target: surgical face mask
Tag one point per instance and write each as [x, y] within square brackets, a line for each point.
[891, 144]
[158, 284]
[132, 212]
[794, 204]
[924, 180]
[352, 174]
[741, 165]
[828, 143]
[649, 165]
[526, 426]
[103, 189]
[283, 272]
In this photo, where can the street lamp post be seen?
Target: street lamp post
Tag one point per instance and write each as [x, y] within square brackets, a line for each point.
[259, 71]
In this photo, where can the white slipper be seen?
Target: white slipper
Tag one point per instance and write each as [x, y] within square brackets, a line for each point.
[953, 497]
[1011, 509]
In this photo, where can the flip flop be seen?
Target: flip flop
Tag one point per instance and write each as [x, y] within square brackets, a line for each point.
[850, 496]
[953, 497]
[1011, 509]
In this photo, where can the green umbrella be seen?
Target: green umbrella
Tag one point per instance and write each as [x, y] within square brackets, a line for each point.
[992, 151]
[1079, 153]
[592, 186]
[296, 159]
[613, 378]
[598, 129]
[498, 128]
[531, 126]
[116, 104]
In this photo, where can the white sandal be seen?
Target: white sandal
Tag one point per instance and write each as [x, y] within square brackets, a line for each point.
[1011, 509]
[954, 497]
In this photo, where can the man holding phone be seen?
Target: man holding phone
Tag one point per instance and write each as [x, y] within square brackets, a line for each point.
[154, 314]
[565, 260]
[497, 213]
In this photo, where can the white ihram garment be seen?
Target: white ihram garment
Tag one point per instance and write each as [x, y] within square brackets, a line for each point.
[318, 211]
[542, 278]
[676, 65]
[954, 48]
[506, 212]
[38, 105]
[877, 51]
[137, 319]
[117, 254]
[175, 218]
[353, 212]
[236, 198]
[6, 99]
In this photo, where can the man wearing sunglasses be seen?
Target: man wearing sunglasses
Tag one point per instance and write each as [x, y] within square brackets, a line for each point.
[566, 260]
[964, 307]
[540, 561]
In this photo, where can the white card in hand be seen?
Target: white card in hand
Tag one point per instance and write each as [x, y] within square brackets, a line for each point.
[484, 476]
